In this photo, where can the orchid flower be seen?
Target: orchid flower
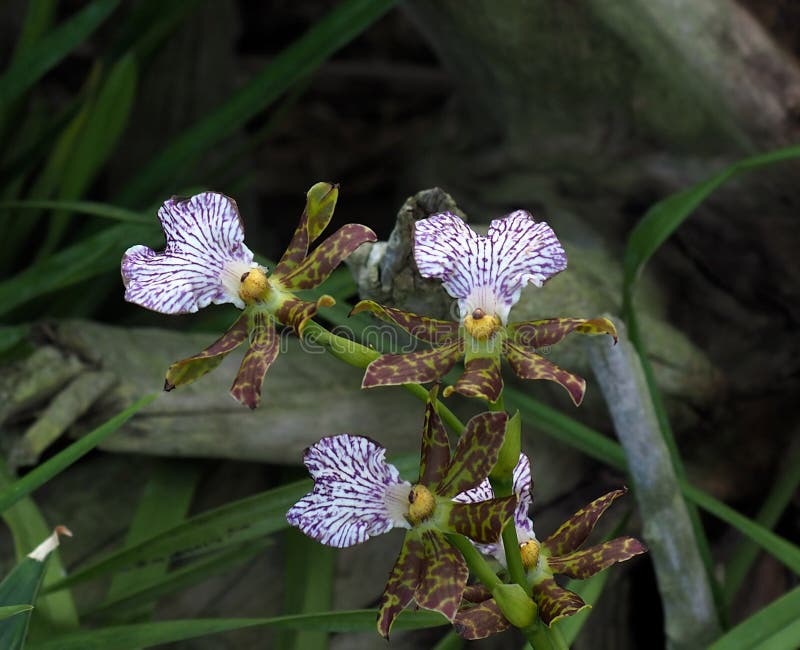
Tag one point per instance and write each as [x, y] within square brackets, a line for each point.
[486, 274]
[358, 495]
[206, 262]
[480, 616]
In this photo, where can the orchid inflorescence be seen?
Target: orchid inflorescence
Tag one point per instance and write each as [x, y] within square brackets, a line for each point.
[480, 490]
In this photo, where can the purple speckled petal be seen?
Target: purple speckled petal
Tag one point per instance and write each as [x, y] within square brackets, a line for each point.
[202, 263]
[356, 494]
[487, 272]
[522, 488]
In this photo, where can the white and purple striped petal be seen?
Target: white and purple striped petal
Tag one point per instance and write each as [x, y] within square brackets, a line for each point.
[522, 488]
[487, 271]
[202, 263]
[356, 494]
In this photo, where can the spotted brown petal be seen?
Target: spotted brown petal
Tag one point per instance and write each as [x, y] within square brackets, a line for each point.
[443, 577]
[318, 266]
[188, 370]
[264, 348]
[576, 529]
[295, 313]
[412, 368]
[403, 581]
[320, 203]
[554, 601]
[435, 453]
[482, 522]
[431, 330]
[529, 365]
[475, 454]
[476, 593]
[480, 621]
[539, 333]
[481, 378]
[586, 562]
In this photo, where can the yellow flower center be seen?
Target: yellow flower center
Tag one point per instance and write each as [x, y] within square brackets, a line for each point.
[530, 553]
[480, 325]
[421, 504]
[254, 286]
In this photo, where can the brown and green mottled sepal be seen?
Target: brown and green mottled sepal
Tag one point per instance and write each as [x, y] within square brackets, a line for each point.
[435, 448]
[318, 266]
[402, 584]
[475, 454]
[295, 313]
[585, 563]
[188, 370]
[412, 368]
[529, 365]
[264, 348]
[431, 330]
[554, 601]
[481, 378]
[443, 577]
[573, 532]
[537, 334]
[482, 522]
[320, 203]
[480, 621]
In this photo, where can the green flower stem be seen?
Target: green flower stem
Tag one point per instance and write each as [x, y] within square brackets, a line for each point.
[360, 356]
[477, 565]
[513, 558]
[540, 637]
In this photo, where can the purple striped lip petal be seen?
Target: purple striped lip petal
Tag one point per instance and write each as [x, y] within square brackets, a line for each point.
[522, 488]
[356, 494]
[487, 272]
[203, 262]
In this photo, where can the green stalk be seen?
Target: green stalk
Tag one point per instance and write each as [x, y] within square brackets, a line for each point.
[360, 356]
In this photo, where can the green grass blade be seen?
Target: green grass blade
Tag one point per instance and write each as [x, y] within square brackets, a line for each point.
[308, 587]
[780, 548]
[28, 527]
[42, 56]
[102, 210]
[105, 120]
[86, 259]
[662, 219]
[21, 586]
[165, 500]
[21, 488]
[766, 626]
[232, 524]
[779, 497]
[7, 611]
[300, 59]
[145, 635]
[187, 576]
[566, 429]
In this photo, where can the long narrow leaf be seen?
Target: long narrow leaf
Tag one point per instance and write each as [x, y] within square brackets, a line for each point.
[58, 463]
[37, 59]
[145, 635]
[28, 527]
[232, 524]
[21, 586]
[776, 617]
[165, 500]
[335, 30]
[662, 219]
